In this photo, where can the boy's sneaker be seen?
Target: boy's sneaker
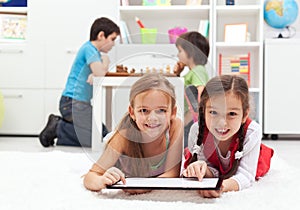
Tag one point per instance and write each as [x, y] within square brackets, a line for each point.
[48, 134]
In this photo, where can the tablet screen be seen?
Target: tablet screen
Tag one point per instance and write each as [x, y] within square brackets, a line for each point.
[169, 183]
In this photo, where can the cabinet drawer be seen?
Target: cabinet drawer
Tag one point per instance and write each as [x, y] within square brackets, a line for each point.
[20, 66]
[23, 111]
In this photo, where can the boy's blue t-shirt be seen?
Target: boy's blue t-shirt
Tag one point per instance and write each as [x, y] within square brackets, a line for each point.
[77, 86]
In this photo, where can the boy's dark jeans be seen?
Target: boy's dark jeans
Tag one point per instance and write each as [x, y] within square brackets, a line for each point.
[75, 128]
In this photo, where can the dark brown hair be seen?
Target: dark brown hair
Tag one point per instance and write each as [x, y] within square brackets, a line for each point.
[221, 85]
[103, 24]
[195, 45]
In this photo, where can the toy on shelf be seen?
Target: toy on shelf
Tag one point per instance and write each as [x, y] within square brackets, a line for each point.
[235, 64]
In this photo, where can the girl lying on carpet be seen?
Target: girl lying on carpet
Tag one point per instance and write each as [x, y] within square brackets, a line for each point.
[148, 140]
[225, 142]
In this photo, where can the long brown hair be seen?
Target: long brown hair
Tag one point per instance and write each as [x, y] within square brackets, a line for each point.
[128, 128]
[222, 85]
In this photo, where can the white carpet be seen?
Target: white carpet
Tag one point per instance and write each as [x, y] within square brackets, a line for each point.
[52, 180]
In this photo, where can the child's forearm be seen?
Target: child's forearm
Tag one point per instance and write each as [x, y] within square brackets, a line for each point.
[99, 69]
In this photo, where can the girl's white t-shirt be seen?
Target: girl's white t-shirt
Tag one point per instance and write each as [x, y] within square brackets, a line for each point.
[246, 172]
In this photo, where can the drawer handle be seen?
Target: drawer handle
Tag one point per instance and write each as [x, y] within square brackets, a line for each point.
[71, 51]
[13, 96]
[11, 51]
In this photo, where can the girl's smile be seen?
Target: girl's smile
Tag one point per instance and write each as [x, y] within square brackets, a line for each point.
[152, 113]
[224, 115]
[222, 132]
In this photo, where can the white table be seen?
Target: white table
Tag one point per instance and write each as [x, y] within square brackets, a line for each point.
[111, 100]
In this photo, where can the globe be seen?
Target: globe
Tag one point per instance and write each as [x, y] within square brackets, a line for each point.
[280, 13]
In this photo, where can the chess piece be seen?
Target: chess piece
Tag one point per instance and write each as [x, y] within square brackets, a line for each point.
[168, 69]
[178, 68]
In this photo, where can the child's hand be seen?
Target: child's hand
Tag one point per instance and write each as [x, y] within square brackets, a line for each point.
[178, 68]
[113, 175]
[90, 79]
[196, 169]
[210, 193]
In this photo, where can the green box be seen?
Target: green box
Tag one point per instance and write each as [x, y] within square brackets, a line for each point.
[148, 35]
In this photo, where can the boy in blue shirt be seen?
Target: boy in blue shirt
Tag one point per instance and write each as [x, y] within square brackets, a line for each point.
[74, 127]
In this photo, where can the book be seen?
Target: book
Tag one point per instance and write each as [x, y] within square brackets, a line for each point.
[124, 2]
[169, 184]
[125, 36]
[204, 28]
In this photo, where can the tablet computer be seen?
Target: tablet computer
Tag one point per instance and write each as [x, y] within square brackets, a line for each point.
[169, 184]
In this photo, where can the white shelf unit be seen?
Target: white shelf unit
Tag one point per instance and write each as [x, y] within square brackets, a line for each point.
[164, 18]
[251, 13]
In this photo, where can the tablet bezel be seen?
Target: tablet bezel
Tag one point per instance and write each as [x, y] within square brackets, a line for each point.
[120, 185]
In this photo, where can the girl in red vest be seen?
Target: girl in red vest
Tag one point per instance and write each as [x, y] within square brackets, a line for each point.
[224, 142]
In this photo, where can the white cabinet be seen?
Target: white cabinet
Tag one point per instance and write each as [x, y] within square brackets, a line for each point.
[21, 63]
[22, 76]
[23, 111]
[281, 86]
[20, 66]
[249, 12]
